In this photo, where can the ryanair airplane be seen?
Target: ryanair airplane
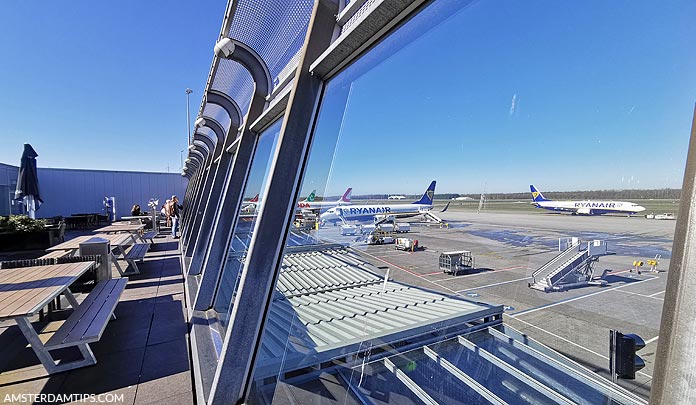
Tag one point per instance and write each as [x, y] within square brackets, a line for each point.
[586, 207]
[249, 206]
[308, 204]
[368, 212]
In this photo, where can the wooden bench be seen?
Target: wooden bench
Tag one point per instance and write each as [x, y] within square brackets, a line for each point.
[149, 235]
[87, 323]
[136, 252]
[56, 254]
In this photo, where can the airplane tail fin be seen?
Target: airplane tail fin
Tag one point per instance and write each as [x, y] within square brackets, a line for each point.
[446, 206]
[255, 199]
[536, 194]
[310, 197]
[346, 195]
[427, 198]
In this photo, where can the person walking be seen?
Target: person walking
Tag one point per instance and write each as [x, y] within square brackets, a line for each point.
[175, 213]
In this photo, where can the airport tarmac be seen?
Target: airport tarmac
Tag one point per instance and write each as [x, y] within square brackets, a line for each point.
[508, 247]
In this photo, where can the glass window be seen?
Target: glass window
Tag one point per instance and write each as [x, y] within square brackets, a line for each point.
[441, 130]
[246, 220]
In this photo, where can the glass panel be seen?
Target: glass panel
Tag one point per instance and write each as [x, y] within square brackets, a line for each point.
[457, 113]
[244, 227]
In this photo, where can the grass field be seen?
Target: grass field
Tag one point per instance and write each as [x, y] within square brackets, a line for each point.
[651, 206]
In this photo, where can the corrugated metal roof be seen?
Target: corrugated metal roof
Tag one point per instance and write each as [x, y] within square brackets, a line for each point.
[325, 270]
[330, 301]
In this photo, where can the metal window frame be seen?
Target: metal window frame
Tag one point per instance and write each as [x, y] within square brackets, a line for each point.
[231, 199]
[203, 156]
[242, 340]
[675, 360]
[195, 215]
[679, 292]
[214, 199]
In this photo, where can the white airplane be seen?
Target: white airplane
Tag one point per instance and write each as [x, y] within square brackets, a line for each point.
[396, 197]
[368, 212]
[249, 206]
[462, 199]
[308, 204]
[586, 207]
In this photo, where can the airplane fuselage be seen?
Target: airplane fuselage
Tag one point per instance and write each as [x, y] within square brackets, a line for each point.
[368, 212]
[319, 205]
[591, 207]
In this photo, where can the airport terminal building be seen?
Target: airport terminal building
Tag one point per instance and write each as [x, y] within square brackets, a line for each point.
[70, 191]
[316, 94]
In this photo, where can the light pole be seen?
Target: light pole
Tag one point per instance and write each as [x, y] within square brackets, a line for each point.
[188, 119]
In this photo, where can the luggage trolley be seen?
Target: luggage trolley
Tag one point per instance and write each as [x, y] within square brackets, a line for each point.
[454, 262]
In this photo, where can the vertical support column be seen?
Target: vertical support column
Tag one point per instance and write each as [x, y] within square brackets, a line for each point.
[206, 161]
[196, 220]
[197, 214]
[199, 246]
[674, 375]
[194, 166]
[213, 205]
[214, 258]
[242, 340]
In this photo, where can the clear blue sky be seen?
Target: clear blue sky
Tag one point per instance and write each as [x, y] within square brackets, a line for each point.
[565, 95]
[101, 85]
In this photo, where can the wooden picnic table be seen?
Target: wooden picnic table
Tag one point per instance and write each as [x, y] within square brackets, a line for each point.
[125, 227]
[119, 240]
[25, 291]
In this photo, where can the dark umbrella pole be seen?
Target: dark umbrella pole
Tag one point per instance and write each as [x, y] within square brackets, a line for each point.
[28, 182]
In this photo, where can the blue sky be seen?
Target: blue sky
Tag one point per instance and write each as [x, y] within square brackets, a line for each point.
[102, 84]
[579, 95]
[566, 95]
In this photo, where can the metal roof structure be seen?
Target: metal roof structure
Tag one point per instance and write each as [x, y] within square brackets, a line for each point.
[332, 311]
[333, 304]
[496, 365]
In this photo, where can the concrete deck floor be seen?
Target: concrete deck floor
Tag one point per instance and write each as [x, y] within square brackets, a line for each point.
[143, 355]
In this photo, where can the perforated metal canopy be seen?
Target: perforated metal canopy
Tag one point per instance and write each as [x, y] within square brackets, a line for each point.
[275, 30]
[219, 114]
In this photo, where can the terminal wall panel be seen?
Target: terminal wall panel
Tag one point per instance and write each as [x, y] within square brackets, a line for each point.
[70, 191]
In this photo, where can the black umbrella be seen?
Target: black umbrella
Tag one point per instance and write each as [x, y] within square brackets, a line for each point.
[28, 181]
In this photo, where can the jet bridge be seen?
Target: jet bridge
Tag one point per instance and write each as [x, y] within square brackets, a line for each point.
[573, 267]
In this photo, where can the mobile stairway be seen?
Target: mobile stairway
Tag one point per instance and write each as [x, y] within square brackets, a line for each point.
[428, 216]
[573, 267]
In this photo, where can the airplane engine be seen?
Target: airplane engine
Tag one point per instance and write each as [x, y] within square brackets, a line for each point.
[584, 211]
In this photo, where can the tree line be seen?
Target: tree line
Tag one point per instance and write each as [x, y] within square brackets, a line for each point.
[631, 194]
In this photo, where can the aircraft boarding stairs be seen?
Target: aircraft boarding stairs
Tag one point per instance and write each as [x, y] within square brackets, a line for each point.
[573, 267]
[428, 216]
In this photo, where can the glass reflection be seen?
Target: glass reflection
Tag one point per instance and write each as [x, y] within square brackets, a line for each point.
[246, 220]
[591, 103]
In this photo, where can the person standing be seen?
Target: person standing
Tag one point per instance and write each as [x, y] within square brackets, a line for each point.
[165, 212]
[175, 213]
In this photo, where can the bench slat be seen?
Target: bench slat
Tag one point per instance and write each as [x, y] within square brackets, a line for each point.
[77, 314]
[138, 251]
[98, 315]
[103, 298]
[98, 324]
[150, 235]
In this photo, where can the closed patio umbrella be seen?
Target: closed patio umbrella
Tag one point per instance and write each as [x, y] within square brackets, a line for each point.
[28, 181]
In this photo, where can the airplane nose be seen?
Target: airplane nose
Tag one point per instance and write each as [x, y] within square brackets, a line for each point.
[640, 209]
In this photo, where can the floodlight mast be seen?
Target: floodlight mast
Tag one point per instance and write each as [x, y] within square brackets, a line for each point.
[188, 116]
